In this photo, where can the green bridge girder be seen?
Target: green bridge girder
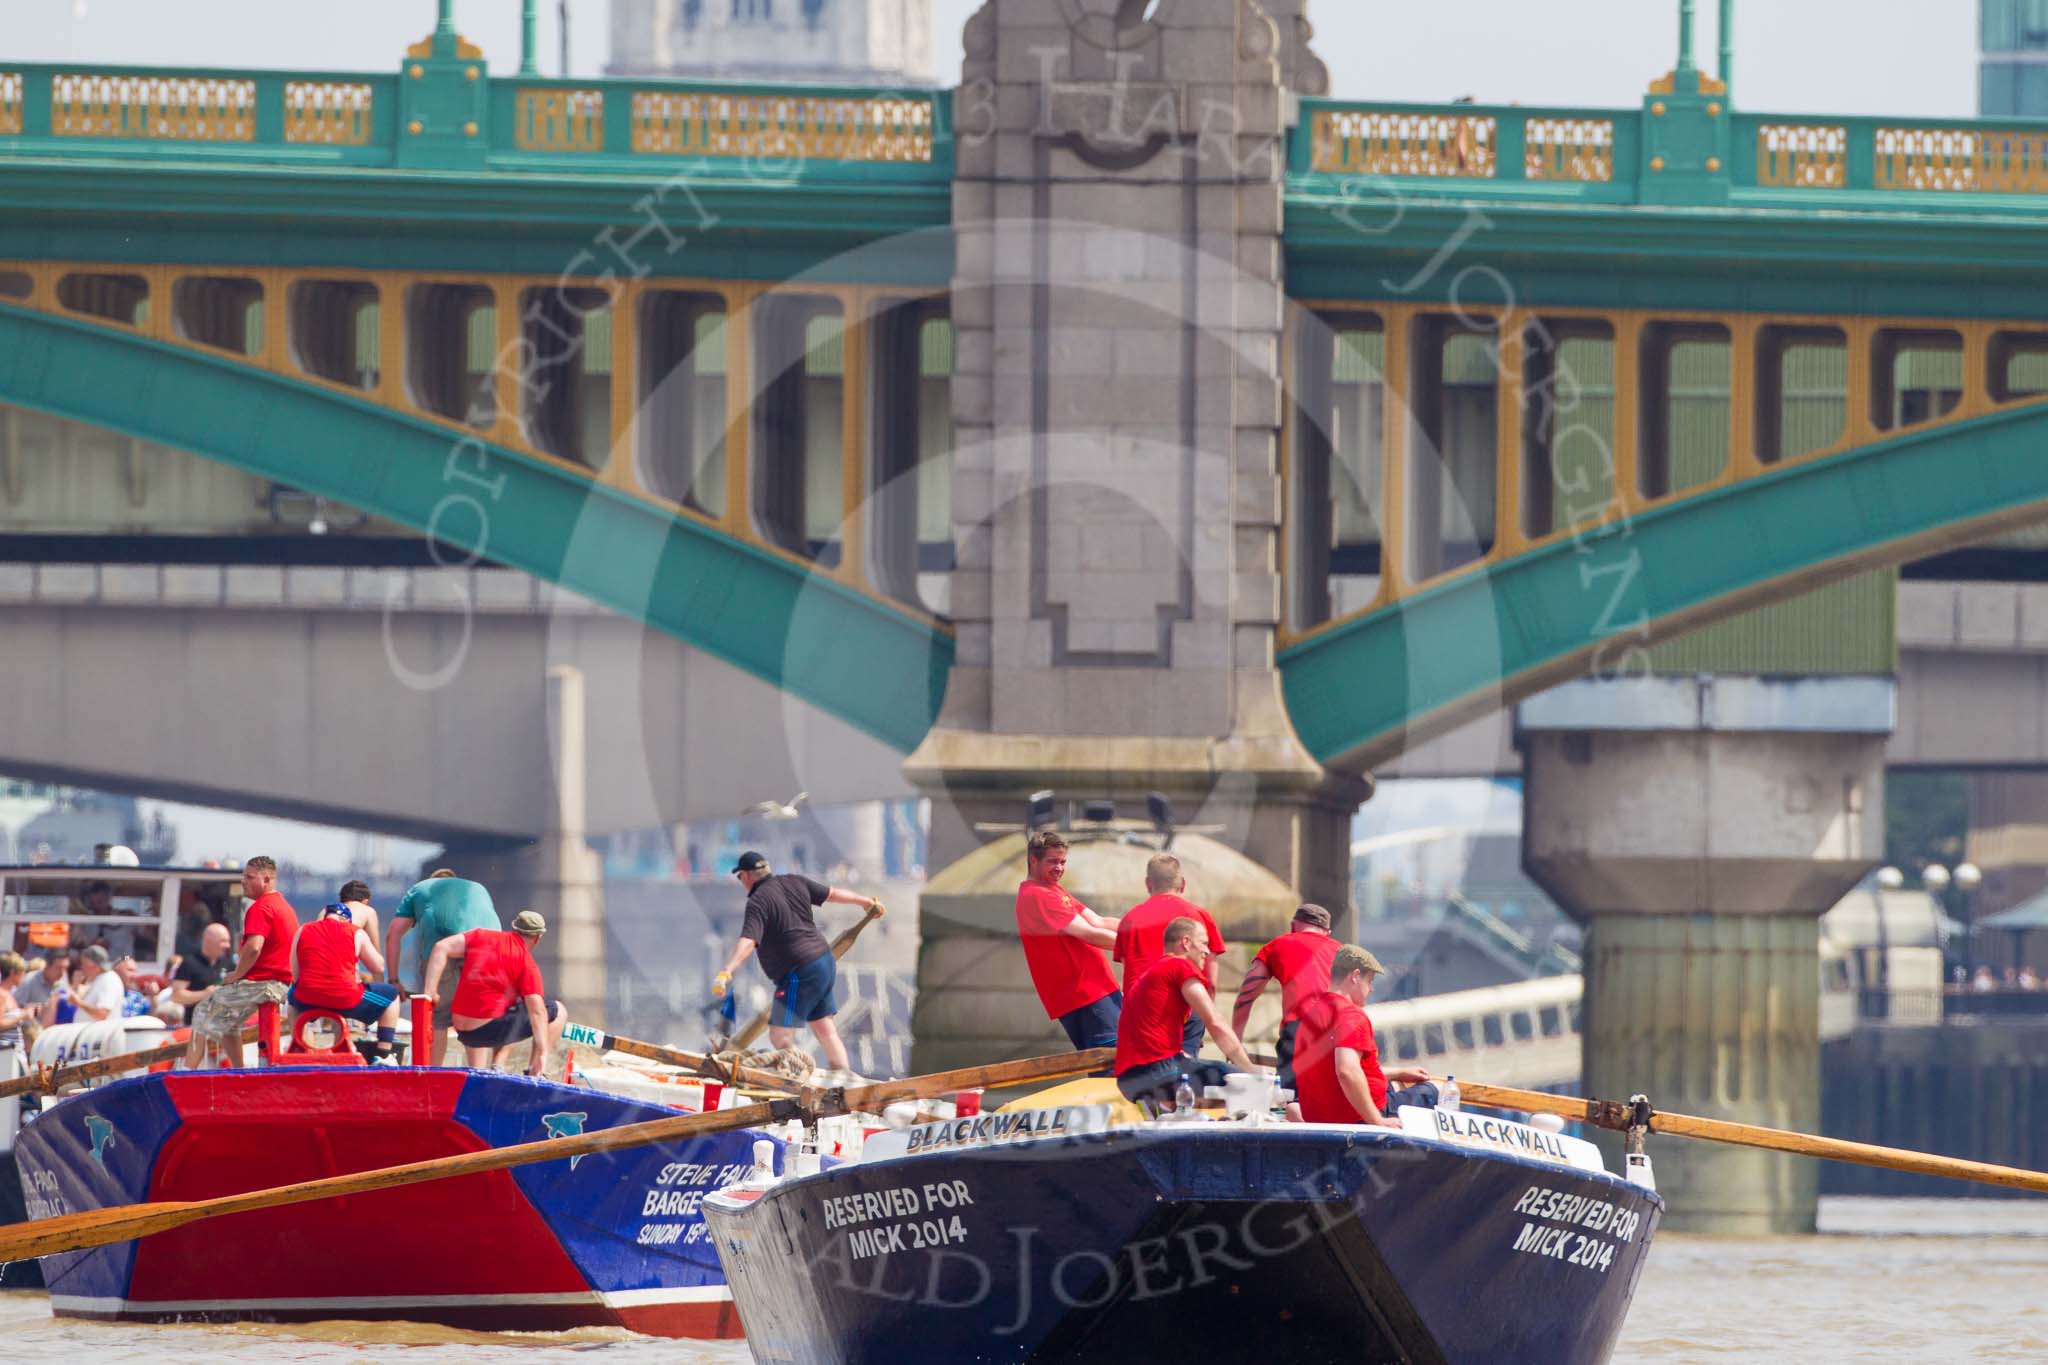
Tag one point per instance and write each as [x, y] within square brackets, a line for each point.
[1680, 203]
[881, 670]
[1361, 691]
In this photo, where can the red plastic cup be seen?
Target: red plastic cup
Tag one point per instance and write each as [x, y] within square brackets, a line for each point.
[712, 1091]
[967, 1103]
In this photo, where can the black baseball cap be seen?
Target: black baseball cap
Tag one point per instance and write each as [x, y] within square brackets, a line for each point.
[751, 861]
[1313, 914]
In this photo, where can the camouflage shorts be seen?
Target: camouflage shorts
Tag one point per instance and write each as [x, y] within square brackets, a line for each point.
[220, 1016]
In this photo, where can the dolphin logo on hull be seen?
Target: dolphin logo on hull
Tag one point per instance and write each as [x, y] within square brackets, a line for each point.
[565, 1125]
[101, 1132]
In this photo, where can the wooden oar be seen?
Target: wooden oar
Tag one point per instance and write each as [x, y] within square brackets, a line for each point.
[100, 1227]
[1617, 1115]
[744, 1039]
[696, 1063]
[49, 1080]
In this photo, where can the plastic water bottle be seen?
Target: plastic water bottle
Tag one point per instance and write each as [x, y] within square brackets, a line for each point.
[1184, 1098]
[1447, 1094]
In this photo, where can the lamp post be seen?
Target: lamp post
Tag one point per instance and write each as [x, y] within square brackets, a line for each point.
[529, 19]
[1728, 48]
[1968, 877]
[1685, 61]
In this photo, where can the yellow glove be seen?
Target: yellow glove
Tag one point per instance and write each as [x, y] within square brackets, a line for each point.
[875, 909]
[720, 984]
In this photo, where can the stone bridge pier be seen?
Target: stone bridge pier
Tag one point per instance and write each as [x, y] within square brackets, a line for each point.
[1116, 481]
[1699, 828]
[559, 874]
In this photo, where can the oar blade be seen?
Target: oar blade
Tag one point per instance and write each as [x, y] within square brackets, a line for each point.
[93, 1228]
[101, 1227]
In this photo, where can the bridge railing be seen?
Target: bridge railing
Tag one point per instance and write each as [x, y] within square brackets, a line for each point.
[80, 109]
[345, 118]
[1595, 155]
[1589, 155]
[1890, 156]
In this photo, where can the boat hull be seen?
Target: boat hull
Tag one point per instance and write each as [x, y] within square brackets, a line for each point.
[609, 1239]
[1278, 1242]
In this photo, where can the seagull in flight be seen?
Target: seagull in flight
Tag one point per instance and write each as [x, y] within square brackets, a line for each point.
[778, 810]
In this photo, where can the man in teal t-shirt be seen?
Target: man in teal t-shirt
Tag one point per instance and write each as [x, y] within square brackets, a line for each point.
[442, 906]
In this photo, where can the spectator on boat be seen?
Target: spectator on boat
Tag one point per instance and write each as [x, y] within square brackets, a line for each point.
[134, 1003]
[795, 957]
[202, 971]
[1337, 1071]
[100, 991]
[1983, 980]
[13, 1014]
[1151, 1031]
[38, 990]
[262, 973]
[441, 907]
[1063, 945]
[1141, 934]
[59, 1009]
[1300, 961]
[324, 960]
[356, 896]
[194, 914]
[498, 1001]
[2026, 980]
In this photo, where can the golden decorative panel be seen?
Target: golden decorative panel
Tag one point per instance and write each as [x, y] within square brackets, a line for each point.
[1568, 149]
[1806, 156]
[175, 108]
[559, 121]
[1383, 142]
[1667, 84]
[464, 48]
[782, 127]
[333, 113]
[10, 102]
[1962, 160]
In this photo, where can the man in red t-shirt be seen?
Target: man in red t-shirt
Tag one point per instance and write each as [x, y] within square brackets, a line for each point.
[498, 1001]
[1063, 943]
[1141, 934]
[324, 977]
[1300, 961]
[1150, 1035]
[1337, 1063]
[263, 968]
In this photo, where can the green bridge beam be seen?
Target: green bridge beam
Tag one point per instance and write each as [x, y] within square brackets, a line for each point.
[1359, 693]
[854, 657]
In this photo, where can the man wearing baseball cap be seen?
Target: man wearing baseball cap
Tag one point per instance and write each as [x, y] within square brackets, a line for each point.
[1300, 961]
[498, 1001]
[1336, 1062]
[794, 955]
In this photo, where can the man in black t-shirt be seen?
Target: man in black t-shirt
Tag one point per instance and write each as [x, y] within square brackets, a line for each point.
[795, 956]
[198, 973]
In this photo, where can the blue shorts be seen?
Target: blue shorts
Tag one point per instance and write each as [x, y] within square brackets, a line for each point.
[807, 993]
[1094, 1024]
[377, 997]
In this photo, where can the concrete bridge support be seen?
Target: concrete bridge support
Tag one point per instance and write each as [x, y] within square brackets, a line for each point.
[1116, 483]
[558, 874]
[1698, 828]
